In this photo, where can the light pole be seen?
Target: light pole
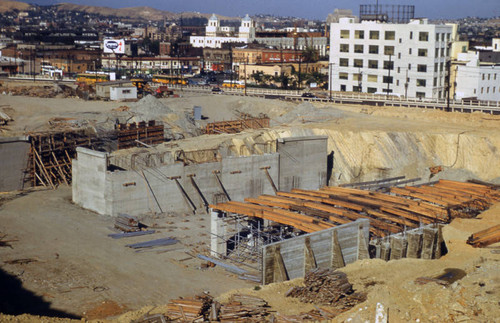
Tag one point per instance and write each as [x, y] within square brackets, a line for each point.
[330, 85]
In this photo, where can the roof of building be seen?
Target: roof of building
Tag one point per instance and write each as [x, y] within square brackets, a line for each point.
[247, 18]
[214, 17]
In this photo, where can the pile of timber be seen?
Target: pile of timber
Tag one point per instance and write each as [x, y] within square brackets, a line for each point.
[127, 223]
[401, 209]
[485, 237]
[236, 126]
[191, 309]
[243, 308]
[150, 133]
[328, 287]
[316, 315]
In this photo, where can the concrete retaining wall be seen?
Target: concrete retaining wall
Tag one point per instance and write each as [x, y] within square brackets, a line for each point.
[330, 248]
[14, 154]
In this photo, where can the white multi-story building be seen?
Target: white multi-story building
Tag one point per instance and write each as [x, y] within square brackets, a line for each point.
[475, 79]
[405, 59]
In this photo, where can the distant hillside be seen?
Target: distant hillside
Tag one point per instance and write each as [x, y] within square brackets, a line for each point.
[147, 13]
[6, 5]
[135, 13]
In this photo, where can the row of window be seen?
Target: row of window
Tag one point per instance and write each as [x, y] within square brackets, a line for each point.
[489, 76]
[374, 78]
[355, 88]
[387, 65]
[390, 35]
[493, 89]
[388, 50]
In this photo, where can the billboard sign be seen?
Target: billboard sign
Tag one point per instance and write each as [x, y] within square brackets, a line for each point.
[114, 46]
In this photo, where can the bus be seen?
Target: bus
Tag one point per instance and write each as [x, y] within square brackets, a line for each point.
[169, 79]
[233, 84]
[92, 78]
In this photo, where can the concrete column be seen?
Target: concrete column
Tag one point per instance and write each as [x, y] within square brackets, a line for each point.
[218, 226]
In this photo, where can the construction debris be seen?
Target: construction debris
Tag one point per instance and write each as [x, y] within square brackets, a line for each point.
[153, 243]
[244, 308]
[327, 287]
[127, 223]
[191, 309]
[485, 237]
[4, 118]
[130, 234]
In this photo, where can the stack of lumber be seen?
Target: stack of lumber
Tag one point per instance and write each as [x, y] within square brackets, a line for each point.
[192, 309]
[403, 208]
[127, 223]
[326, 286]
[485, 237]
[244, 308]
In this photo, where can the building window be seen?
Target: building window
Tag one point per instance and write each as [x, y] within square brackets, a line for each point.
[374, 34]
[423, 36]
[421, 68]
[388, 79]
[409, 51]
[488, 74]
[344, 62]
[482, 90]
[409, 67]
[343, 87]
[494, 89]
[344, 34]
[437, 37]
[358, 63]
[411, 34]
[436, 54]
[488, 89]
[358, 49]
[372, 78]
[388, 65]
[399, 55]
[388, 50]
[356, 88]
[357, 77]
[390, 35]
[421, 82]
[371, 90]
[442, 52]
[344, 48]
[435, 81]
[373, 49]
[359, 34]
[343, 76]
[422, 52]
[420, 95]
[372, 64]
[126, 91]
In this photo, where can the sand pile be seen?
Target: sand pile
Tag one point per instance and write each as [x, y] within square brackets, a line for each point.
[179, 123]
[306, 112]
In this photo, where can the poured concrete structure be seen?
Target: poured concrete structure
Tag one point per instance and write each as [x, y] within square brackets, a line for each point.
[134, 188]
[14, 152]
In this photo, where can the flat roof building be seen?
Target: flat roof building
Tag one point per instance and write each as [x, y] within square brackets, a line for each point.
[405, 59]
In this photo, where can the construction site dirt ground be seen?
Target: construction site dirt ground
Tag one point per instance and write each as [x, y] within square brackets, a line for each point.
[71, 267]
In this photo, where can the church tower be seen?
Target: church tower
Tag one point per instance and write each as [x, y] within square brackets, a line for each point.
[247, 28]
[213, 26]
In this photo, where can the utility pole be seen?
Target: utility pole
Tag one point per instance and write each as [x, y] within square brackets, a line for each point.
[388, 77]
[406, 85]
[330, 85]
[448, 77]
[360, 77]
[246, 62]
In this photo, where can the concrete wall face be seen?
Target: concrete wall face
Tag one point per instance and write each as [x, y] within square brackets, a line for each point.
[13, 160]
[302, 162]
[172, 187]
[89, 180]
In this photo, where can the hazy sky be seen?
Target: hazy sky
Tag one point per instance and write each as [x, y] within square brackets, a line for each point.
[312, 9]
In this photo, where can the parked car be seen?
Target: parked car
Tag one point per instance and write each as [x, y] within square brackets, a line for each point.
[216, 90]
[308, 95]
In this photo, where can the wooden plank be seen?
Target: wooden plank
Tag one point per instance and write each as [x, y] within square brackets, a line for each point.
[392, 218]
[268, 203]
[407, 215]
[405, 192]
[345, 190]
[299, 196]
